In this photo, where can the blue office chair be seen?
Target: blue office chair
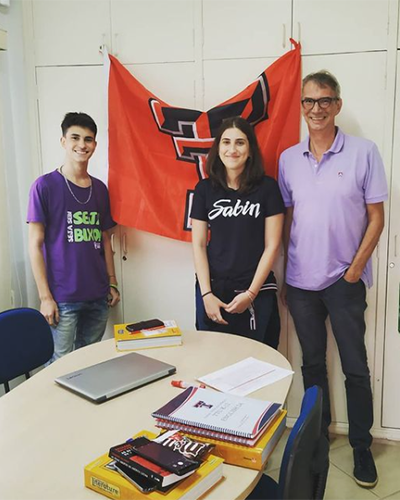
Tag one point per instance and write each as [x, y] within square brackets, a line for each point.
[305, 462]
[26, 342]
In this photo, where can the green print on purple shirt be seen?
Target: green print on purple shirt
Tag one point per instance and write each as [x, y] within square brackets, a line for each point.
[80, 234]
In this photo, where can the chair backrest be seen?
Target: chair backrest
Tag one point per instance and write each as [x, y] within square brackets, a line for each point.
[26, 342]
[298, 478]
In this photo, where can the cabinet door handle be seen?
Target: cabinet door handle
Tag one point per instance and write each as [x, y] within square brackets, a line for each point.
[395, 245]
[115, 46]
[124, 249]
[299, 32]
[112, 243]
[284, 36]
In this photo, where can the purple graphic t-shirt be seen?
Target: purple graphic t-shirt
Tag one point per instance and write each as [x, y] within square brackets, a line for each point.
[73, 246]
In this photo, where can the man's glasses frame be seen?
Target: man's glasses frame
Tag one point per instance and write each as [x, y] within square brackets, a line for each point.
[308, 103]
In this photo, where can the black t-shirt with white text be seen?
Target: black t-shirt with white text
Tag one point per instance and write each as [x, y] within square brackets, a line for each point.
[237, 225]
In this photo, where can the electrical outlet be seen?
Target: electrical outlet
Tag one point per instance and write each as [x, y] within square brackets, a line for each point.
[12, 298]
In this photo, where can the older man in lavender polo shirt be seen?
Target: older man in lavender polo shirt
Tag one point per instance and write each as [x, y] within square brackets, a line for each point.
[333, 186]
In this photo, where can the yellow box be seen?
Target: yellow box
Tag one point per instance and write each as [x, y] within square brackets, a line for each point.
[100, 476]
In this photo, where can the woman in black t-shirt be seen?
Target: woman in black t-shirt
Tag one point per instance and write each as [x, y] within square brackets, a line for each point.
[243, 208]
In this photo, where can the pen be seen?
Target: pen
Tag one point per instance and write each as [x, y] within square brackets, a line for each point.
[184, 385]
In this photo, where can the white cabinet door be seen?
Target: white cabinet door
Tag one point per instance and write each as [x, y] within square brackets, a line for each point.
[148, 31]
[362, 115]
[332, 26]
[158, 278]
[246, 28]
[70, 32]
[391, 399]
[60, 91]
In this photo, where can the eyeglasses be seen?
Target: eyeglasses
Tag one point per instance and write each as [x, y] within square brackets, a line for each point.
[323, 102]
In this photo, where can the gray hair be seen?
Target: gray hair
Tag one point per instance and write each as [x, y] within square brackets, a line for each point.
[323, 79]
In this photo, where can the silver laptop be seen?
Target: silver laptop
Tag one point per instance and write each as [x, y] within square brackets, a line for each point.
[103, 381]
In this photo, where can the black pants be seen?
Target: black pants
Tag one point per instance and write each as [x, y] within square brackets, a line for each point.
[268, 324]
[345, 304]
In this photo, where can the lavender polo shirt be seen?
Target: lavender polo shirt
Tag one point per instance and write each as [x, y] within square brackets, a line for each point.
[329, 200]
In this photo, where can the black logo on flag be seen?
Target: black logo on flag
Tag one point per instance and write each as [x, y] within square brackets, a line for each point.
[192, 132]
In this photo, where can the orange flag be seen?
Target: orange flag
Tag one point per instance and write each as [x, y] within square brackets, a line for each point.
[157, 152]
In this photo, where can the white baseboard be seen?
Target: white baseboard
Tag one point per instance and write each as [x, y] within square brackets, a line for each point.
[342, 429]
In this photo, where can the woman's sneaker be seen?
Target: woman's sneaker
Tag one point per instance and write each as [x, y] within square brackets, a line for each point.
[364, 468]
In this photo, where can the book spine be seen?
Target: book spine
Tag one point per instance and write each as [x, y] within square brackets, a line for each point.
[274, 440]
[143, 471]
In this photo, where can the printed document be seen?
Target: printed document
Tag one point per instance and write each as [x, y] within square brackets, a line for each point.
[245, 377]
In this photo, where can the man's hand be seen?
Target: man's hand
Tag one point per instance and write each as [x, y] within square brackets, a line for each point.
[239, 304]
[49, 309]
[213, 305]
[114, 297]
[351, 276]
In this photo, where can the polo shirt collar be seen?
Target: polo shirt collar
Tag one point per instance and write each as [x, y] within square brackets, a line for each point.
[335, 148]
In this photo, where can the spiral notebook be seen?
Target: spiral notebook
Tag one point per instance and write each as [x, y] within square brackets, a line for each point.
[218, 412]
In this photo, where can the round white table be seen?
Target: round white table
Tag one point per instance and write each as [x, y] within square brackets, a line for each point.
[49, 434]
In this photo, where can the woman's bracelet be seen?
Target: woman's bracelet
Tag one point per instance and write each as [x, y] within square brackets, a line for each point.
[111, 285]
[207, 293]
[251, 295]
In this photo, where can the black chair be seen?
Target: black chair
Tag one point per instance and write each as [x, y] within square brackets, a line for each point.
[26, 342]
[305, 462]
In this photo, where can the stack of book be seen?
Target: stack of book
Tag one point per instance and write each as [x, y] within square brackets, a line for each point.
[134, 336]
[244, 430]
[131, 473]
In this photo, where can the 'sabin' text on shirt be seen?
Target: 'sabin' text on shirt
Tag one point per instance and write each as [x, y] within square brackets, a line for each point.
[224, 208]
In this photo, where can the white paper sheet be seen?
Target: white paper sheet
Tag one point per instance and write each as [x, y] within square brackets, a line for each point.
[245, 377]
[169, 323]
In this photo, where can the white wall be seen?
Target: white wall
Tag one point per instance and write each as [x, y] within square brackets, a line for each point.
[16, 139]
[5, 273]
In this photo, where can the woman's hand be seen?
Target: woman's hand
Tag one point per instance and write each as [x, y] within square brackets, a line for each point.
[213, 305]
[239, 304]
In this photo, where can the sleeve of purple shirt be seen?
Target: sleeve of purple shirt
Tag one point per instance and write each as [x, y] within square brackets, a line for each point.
[375, 185]
[37, 210]
[285, 190]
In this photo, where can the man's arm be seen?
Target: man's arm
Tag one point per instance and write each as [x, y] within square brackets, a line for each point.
[286, 238]
[48, 306]
[109, 258]
[376, 222]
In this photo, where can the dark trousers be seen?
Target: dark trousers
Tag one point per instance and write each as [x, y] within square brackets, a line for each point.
[268, 324]
[345, 304]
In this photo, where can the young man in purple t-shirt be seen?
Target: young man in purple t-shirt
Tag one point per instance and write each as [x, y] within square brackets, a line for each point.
[333, 186]
[69, 243]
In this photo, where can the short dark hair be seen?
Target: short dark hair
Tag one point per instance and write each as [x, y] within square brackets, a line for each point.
[79, 120]
[323, 79]
[254, 170]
